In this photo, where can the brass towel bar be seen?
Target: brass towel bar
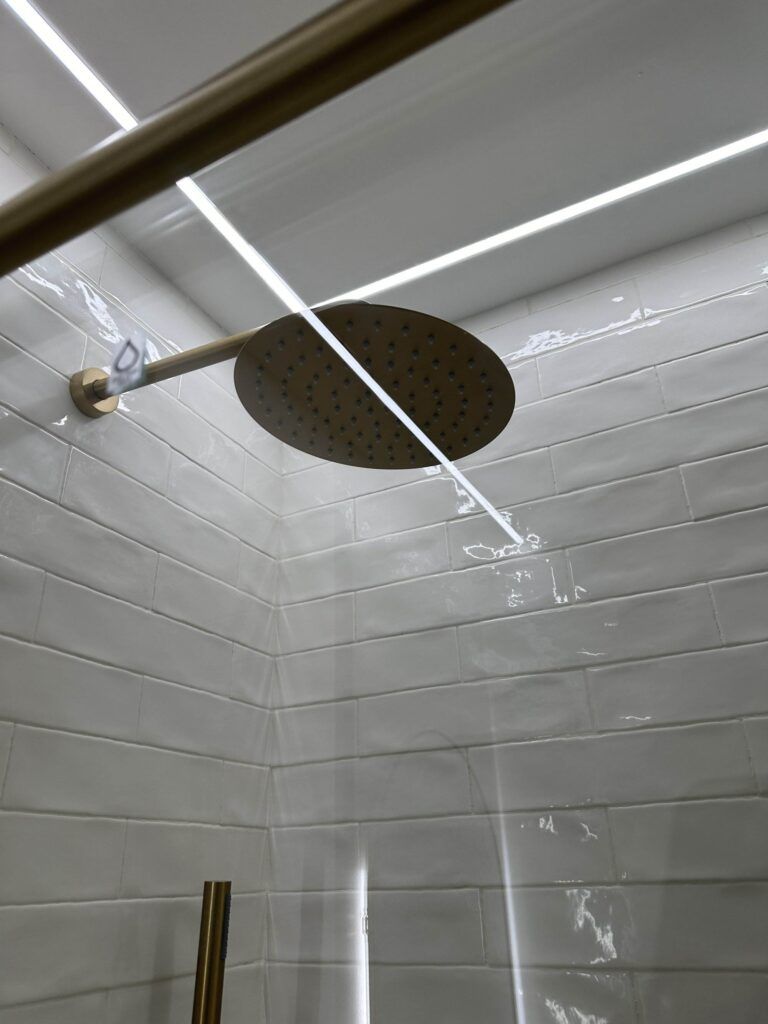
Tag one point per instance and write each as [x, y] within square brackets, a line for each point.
[314, 63]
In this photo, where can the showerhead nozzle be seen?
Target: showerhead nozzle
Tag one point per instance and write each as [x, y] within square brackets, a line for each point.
[452, 385]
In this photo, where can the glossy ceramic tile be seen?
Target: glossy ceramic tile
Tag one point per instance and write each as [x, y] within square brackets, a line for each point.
[656, 340]
[454, 598]
[702, 997]
[697, 840]
[179, 718]
[74, 546]
[671, 557]
[163, 859]
[714, 429]
[440, 927]
[190, 596]
[367, 563]
[331, 993]
[376, 666]
[730, 370]
[595, 513]
[55, 771]
[582, 635]
[682, 688]
[628, 767]
[515, 849]
[727, 483]
[478, 713]
[41, 396]
[36, 328]
[566, 323]
[757, 738]
[50, 688]
[636, 396]
[705, 276]
[18, 617]
[439, 497]
[319, 732]
[324, 623]
[321, 858]
[547, 995]
[373, 788]
[46, 856]
[95, 490]
[740, 606]
[449, 994]
[327, 526]
[199, 491]
[123, 635]
[31, 457]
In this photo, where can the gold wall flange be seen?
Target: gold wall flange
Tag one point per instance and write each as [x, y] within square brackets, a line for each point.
[84, 396]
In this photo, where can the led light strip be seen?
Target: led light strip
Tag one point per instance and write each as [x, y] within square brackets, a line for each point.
[561, 216]
[104, 96]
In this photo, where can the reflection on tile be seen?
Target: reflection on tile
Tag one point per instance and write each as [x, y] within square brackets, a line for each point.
[562, 325]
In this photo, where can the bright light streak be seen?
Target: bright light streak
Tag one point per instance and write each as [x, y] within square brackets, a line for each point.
[561, 216]
[360, 923]
[73, 62]
[104, 96]
[283, 290]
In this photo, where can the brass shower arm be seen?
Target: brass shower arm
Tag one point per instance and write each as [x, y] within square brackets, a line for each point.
[88, 387]
[300, 390]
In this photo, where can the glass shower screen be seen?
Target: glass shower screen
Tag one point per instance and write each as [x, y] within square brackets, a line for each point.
[482, 736]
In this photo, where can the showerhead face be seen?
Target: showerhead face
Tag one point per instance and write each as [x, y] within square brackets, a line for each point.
[451, 384]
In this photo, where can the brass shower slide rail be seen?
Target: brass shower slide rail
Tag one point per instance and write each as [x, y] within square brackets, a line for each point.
[212, 953]
[314, 63]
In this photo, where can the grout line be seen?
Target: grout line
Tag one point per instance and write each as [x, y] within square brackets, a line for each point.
[121, 879]
[662, 396]
[751, 757]
[687, 496]
[713, 605]
[7, 767]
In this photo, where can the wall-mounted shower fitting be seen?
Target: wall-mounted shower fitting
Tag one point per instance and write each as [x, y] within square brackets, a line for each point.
[299, 389]
[212, 952]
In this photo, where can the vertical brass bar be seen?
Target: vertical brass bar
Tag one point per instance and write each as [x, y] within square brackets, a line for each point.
[322, 58]
[212, 953]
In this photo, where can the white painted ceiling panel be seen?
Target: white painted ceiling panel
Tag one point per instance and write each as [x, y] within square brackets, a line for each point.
[539, 105]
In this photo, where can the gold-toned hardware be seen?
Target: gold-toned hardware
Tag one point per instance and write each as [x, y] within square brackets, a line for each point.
[211, 953]
[87, 390]
[163, 369]
[298, 388]
[452, 385]
[322, 58]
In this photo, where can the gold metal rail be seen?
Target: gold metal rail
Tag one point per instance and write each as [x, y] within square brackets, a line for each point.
[212, 953]
[319, 60]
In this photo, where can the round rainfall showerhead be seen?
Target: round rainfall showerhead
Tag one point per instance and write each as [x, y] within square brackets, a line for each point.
[451, 384]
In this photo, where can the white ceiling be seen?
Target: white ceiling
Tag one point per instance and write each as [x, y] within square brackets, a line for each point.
[537, 106]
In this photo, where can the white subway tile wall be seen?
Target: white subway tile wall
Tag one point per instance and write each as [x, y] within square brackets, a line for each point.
[138, 577]
[537, 755]
[423, 754]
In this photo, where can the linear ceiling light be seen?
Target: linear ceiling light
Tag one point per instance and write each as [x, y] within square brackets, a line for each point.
[561, 216]
[104, 96]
